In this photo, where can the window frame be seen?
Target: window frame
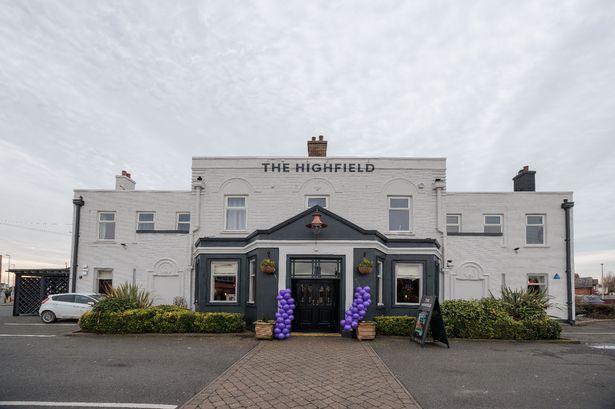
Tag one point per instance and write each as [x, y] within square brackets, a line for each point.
[538, 285]
[380, 280]
[251, 281]
[308, 197]
[101, 212]
[211, 281]
[501, 224]
[544, 229]
[245, 208]
[420, 278]
[153, 222]
[178, 222]
[458, 225]
[409, 209]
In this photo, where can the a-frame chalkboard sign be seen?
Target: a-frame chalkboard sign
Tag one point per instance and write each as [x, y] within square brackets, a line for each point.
[429, 318]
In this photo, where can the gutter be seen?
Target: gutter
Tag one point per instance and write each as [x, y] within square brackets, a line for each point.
[78, 204]
[566, 205]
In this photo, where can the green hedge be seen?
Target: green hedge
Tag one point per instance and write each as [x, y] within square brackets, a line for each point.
[394, 325]
[490, 318]
[161, 319]
[487, 318]
[598, 311]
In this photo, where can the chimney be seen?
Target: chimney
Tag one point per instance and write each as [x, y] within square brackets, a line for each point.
[124, 182]
[317, 148]
[525, 181]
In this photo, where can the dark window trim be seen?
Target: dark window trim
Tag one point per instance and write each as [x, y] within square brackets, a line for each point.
[163, 231]
[237, 282]
[475, 234]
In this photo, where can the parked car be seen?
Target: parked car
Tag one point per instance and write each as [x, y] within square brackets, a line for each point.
[67, 306]
[591, 299]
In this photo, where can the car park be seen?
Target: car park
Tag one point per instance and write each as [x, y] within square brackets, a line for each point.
[67, 306]
[591, 299]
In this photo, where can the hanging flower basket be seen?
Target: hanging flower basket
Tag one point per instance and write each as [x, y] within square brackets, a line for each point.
[268, 266]
[365, 266]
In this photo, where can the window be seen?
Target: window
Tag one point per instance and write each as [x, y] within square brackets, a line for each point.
[104, 281]
[235, 213]
[224, 281]
[183, 221]
[493, 223]
[252, 281]
[537, 282]
[65, 298]
[379, 271]
[82, 299]
[453, 223]
[399, 214]
[535, 229]
[106, 225]
[316, 200]
[408, 283]
[145, 220]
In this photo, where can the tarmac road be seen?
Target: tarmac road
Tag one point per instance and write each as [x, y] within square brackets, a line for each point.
[41, 363]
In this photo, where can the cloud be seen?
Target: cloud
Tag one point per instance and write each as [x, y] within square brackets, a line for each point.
[88, 89]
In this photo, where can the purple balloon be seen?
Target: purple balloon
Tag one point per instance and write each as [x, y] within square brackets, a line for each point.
[355, 316]
[287, 322]
[354, 325]
[286, 295]
[347, 327]
[360, 308]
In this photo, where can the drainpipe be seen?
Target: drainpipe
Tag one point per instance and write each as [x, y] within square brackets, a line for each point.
[78, 204]
[198, 185]
[439, 185]
[566, 205]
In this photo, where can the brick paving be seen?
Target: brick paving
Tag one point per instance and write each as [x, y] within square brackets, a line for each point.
[306, 372]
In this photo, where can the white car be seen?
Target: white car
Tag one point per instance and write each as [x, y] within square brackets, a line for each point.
[67, 305]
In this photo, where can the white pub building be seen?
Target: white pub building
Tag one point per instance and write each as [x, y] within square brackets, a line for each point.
[206, 244]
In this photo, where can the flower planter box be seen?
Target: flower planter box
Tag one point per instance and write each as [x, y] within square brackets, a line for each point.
[263, 330]
[366, 331]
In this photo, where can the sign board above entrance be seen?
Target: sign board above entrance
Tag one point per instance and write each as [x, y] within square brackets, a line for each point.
[319, 167]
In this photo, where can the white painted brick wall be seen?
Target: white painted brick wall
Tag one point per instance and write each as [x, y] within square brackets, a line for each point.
[496, 255]
[359, 197]
[140, 251]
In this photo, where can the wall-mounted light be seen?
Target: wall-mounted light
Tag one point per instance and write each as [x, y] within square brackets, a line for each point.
[85, 270]
[316, 225]
[516, 250]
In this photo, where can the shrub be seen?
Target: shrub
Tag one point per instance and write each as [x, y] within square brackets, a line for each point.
[180, 302]
[598, 311]
[394, 325]
[525, 304]
[161, 319]
[114, 304]
[131, 292]
[497, 319]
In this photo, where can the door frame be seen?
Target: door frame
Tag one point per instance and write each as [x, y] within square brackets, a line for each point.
[341, 279]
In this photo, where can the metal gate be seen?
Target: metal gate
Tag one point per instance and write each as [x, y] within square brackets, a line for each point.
[33, 286]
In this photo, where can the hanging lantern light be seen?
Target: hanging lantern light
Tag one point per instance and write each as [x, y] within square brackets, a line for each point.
[316, 225]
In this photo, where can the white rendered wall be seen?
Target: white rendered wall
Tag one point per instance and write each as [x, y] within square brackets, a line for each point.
[479, 261]
[157, 262]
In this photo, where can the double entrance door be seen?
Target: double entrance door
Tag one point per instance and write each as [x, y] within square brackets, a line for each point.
[316, 290]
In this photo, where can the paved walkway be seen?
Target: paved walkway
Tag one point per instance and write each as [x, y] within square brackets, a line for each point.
[306, 372]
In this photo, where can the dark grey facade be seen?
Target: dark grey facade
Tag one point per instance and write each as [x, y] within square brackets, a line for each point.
[423, 252]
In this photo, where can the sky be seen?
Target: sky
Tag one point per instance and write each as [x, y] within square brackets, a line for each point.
[90, 88]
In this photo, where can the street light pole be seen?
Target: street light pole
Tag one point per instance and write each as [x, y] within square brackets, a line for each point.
[602, 268]
[8, 275]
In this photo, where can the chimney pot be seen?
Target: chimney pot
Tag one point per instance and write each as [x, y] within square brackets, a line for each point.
[124, 181]
[317, 148]
[525, 180]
